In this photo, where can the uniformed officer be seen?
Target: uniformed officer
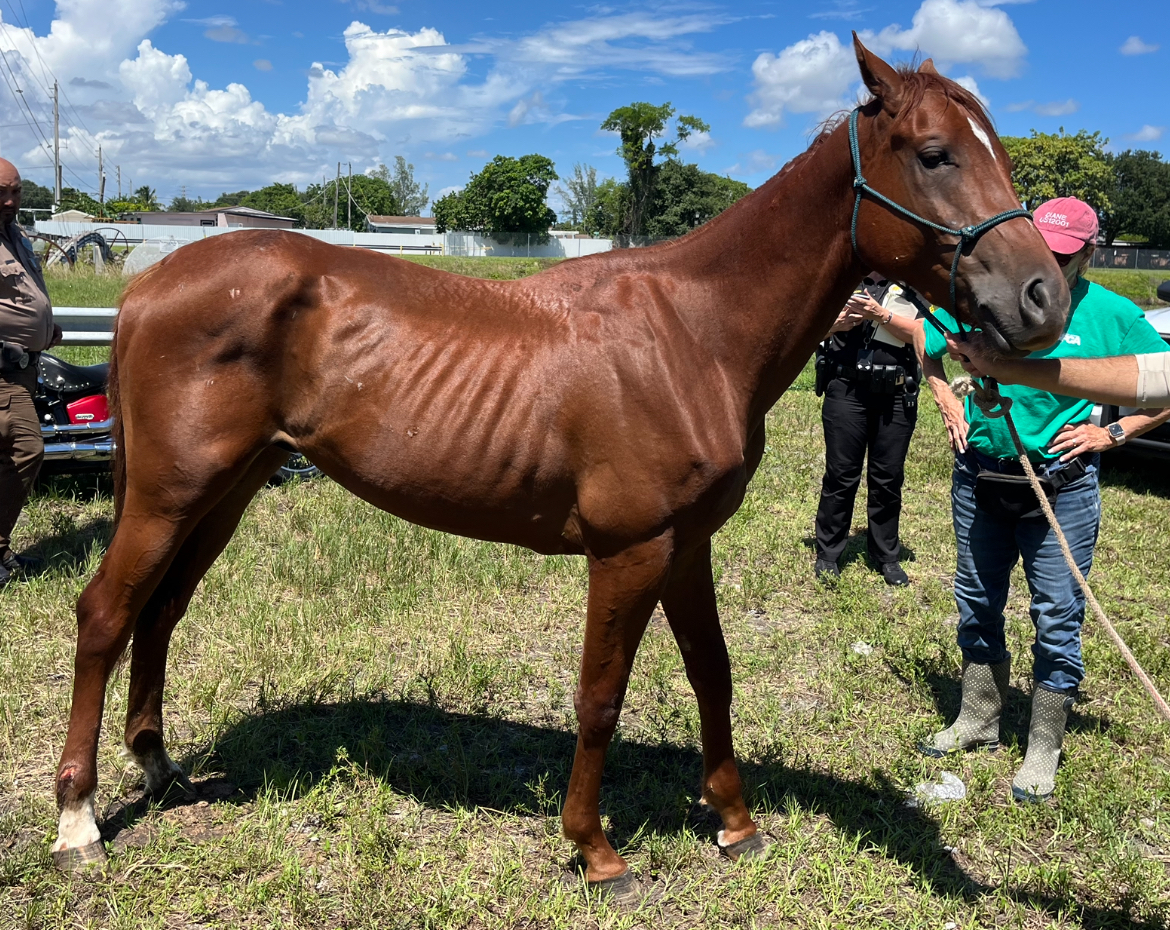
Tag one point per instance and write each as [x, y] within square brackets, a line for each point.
[26, 329]
[868, 372]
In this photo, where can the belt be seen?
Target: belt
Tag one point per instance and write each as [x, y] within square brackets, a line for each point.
[1012, 466]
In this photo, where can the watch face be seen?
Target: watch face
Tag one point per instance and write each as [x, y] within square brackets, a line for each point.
[1116, 430]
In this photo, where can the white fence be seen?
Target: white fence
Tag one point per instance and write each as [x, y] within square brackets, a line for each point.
[395, 243]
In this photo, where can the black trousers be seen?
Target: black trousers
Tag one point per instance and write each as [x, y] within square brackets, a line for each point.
[857, 422]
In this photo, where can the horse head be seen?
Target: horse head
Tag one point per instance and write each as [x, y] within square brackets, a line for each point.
[930, 147]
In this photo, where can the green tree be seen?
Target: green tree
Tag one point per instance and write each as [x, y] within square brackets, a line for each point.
[280, 199]
[33, 195]
[230, 199]
[507, 196]
[411, 196]
[686, 197]
[182, 204]
[579, 193]
[72, 199]
[1047, 165]
[145, 197]
[365, 195]
[639, 125]
[606, 216]
[1140, 199]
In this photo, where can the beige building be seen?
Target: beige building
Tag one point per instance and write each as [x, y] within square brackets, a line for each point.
[420, 225]
[232, 217]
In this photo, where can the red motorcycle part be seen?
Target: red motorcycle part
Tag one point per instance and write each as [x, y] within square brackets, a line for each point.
[92, 409]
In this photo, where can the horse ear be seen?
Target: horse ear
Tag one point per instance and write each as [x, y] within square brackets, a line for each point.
[883, 81]
[927, 67]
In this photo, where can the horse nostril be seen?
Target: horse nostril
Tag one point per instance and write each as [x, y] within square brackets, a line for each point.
[1036, 302]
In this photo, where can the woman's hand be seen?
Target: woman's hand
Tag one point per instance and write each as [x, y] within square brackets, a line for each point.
[57, 336]
[1073, 440]
[955, 420]
[975, 359]
[865, 307]
[845, 321]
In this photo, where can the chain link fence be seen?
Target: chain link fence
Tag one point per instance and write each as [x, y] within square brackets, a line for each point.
[1137, 259]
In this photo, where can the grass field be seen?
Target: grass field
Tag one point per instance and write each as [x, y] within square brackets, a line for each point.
[379, 720]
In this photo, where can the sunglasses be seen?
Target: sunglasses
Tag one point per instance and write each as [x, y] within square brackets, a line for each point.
[1062, 259]
[871, 281]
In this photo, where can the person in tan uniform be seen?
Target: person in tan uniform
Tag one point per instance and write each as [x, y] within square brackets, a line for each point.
[26, 329]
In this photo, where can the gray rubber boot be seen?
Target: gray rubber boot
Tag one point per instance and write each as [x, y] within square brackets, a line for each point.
[1036, 779]
[977, 727]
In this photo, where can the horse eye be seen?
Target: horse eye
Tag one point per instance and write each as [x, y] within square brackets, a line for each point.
[932, 158]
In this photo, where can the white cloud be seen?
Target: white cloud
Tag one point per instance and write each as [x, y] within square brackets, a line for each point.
[394, 91]
[809, 76]
[970, 84]
[477, 153]
[1135, 46]
[262, 64]
[1055, 108]
[699, 142]
[755, 162]
[815, 75]
[958, 32]
[1148, 133]
[441, 156]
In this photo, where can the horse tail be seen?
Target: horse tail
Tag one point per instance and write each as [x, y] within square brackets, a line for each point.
[114, 396]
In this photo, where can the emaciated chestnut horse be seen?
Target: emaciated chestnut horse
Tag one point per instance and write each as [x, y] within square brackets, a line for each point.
[612, 406]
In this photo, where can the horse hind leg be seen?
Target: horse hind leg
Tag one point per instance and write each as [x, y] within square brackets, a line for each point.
[152, 633]
[139, 557]
[691, 611]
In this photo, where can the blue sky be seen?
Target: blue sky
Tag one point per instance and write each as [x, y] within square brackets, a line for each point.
[212, 96]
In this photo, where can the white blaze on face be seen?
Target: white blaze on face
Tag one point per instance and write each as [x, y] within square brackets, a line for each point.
[982, 136]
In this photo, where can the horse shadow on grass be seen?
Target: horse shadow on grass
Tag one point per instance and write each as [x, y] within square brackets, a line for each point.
[447, 760]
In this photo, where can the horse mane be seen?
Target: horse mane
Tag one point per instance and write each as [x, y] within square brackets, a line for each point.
[916, 84]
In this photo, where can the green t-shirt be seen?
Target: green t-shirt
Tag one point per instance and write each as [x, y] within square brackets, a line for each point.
[1100, 324]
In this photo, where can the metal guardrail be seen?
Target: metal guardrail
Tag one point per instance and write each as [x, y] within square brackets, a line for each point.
[85, 326]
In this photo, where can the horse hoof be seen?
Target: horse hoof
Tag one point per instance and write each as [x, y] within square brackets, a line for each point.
[175, 780]
[752, 847]
[80, 858]
[622, 889]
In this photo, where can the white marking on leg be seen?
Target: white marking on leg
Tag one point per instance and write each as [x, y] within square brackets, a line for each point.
[982, 136]
[78, 826]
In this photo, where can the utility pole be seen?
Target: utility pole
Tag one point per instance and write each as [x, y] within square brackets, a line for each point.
[56, 152]
[336, 184]
[119, 170]
[101, 181]
[349, 198]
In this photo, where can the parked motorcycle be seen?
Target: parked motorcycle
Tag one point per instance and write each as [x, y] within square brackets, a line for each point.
[77, 428]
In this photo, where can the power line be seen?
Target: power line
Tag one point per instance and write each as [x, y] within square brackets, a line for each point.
[46, 71]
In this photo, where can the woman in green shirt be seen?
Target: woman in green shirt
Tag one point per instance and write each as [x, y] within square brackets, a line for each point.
[996, 525]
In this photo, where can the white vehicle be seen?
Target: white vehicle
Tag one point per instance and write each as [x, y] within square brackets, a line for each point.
[1156, 440]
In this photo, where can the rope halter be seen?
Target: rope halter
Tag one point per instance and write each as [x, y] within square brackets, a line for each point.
[966, 234]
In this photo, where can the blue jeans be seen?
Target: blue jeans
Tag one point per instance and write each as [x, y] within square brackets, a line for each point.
[988, 550]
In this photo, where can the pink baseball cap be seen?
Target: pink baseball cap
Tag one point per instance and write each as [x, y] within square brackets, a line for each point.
[1066, 224]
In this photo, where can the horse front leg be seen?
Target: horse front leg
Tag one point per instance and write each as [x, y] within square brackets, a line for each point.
[689, 604]
[623, 590]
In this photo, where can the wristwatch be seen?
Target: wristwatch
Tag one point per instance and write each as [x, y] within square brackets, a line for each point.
[1116, 433]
